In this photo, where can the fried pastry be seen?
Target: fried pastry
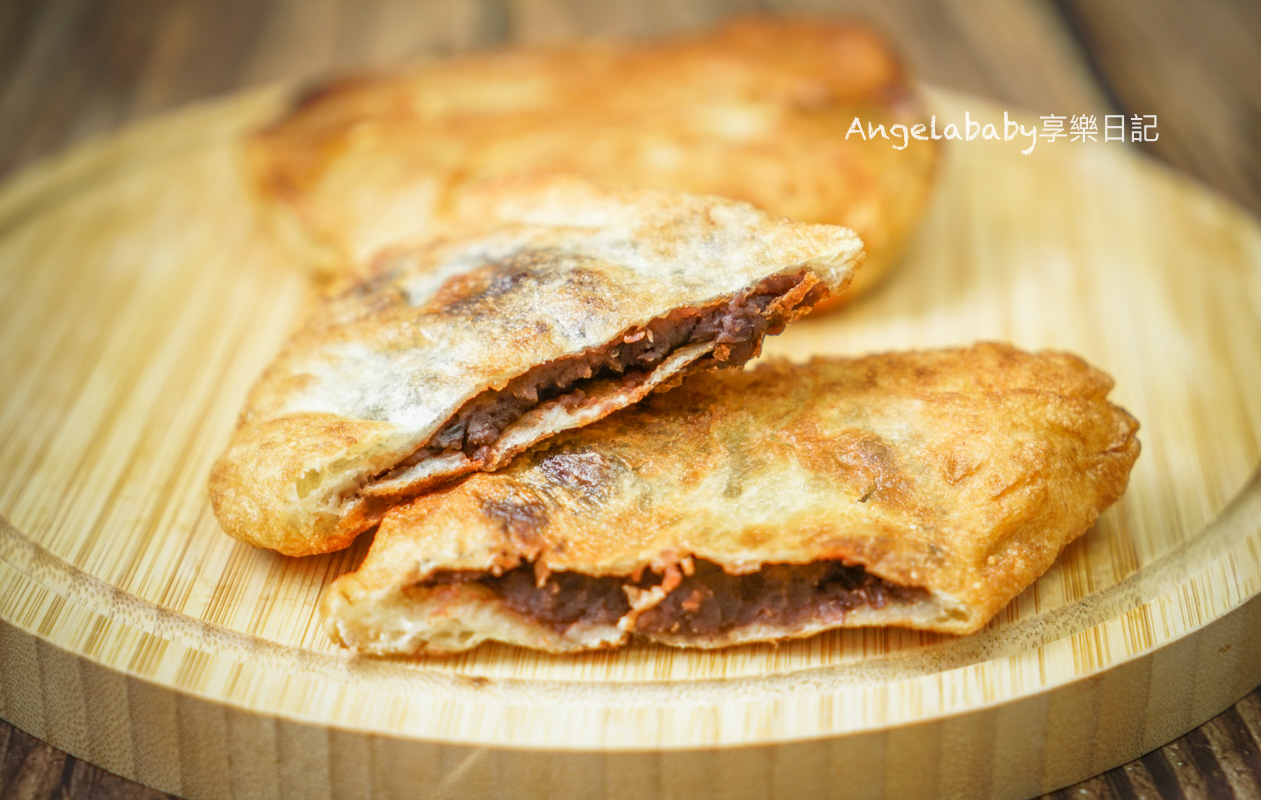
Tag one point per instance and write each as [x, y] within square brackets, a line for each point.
[758, 110]
[922, 489]
[552, 305]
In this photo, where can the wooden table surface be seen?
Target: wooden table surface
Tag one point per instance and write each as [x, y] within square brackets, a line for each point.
[75, 69]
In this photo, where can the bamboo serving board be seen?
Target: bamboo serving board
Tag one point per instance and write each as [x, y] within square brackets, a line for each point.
[140, 300]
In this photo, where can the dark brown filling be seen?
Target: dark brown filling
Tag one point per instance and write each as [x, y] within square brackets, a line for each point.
[709, 601]
[736, 327]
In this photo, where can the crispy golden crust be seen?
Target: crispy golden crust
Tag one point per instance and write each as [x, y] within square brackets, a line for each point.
[964, 472]
[545, 270]
[756, 111]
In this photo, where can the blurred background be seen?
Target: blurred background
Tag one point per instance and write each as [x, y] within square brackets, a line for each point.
[72, 69]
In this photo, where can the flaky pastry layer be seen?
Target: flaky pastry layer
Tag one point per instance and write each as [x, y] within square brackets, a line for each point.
[758, 110]
[953, 477]
[551, 306]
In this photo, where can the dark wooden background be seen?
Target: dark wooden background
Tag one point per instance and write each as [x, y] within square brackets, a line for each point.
[75, 69]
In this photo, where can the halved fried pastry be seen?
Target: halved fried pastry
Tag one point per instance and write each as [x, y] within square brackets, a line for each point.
[917, 489]
[554, 306]
[758, 110]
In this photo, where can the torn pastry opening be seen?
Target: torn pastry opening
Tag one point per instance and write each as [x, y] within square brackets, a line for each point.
[576, 390]
[691, 598]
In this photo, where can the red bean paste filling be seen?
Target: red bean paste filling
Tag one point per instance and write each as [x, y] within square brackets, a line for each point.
[709, 601]
[736, 327]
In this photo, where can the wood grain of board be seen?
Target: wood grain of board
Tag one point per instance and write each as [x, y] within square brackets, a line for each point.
[136, 635]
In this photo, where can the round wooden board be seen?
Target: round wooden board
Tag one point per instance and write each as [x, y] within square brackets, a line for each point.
[140, 300]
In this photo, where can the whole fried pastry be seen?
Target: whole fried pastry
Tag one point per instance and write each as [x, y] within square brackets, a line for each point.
[757, 110]
[550, 306]
[919, 489]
